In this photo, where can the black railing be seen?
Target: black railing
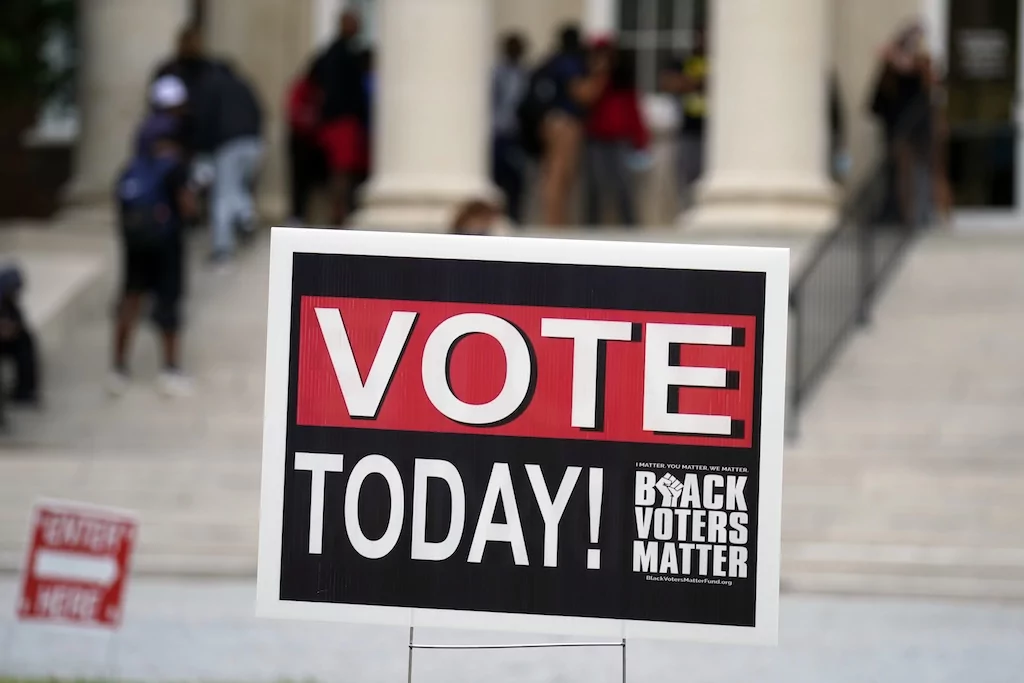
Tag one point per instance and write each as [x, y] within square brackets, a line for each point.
[835, 290]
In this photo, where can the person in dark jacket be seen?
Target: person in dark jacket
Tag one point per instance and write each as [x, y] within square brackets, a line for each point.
[17, 343]
[340, 74]
[189, 64]
[152, 236]
[229, 125]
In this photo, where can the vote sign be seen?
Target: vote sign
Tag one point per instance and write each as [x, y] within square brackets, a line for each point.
[77, 565]
[560, 436]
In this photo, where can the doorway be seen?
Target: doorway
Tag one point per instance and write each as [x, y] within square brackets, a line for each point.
[984, 110]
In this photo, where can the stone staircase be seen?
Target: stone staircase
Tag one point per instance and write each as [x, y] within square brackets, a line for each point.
[908, 477]
[909, 474]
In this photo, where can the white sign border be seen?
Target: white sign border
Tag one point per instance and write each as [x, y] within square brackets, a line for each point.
[774, 262]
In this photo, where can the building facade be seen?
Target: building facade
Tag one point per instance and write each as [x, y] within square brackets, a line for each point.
[767, 157]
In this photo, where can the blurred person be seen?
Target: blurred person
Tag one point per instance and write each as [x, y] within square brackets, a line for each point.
[479, 217]
[688, 79]
[615, 131]
[369, 70]
[902, 102]
[556, 104]
[942, 192]
[229, 128]
[189, 63]
[17, 341]
[307, 166]
[838, 157]
[509, 81]
[340, 74]
[369, 67]
[154, 199]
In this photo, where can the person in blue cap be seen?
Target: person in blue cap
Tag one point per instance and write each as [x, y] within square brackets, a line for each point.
[155, 200]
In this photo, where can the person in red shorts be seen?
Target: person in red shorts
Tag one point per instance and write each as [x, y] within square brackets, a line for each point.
[340, 75]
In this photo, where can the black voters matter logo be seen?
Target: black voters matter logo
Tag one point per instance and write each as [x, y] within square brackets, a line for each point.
[691, 524]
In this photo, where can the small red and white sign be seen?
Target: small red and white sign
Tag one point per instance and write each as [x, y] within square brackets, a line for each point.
[77, 565]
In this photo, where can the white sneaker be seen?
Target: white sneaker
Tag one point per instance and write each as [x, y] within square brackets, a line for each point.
[174, 384]
[117, 383]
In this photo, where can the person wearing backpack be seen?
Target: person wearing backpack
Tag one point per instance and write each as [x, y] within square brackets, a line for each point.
[229, 125]
[155, 200]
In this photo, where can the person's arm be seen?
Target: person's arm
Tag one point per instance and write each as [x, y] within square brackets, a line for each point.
[676, 81]
[586, 89]
[188, 203]
[178, 185]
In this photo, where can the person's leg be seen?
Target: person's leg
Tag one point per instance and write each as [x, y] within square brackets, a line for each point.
[570, 171]
[227, 190]
[516, 182]
[250, 155]
[127, 318]
[621, 182]
[563, 139]
[905, 176]
[340, 190]
[26, 368]
[501, 171]
[592, 182]
[167, 316]
[297, 183]
[550, 183]
[691, 162]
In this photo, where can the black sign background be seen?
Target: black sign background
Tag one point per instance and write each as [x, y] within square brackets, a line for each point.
[341, 575]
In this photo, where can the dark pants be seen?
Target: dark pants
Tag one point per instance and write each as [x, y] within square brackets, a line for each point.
[508, 168]
[20, 349]
[607, 174]
[308, 169]
[158, 271]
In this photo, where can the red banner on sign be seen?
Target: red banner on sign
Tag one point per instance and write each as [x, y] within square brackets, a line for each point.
[77, 565]
[559, 373]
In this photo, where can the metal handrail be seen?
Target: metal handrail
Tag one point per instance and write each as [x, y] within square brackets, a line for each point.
[860, 252]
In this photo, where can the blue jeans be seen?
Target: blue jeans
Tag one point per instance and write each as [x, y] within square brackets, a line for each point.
[235, 164]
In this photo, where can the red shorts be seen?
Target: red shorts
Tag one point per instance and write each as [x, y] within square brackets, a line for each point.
[345, 145]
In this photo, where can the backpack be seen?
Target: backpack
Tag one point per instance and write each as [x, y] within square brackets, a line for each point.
[147, 212]
[544, 89]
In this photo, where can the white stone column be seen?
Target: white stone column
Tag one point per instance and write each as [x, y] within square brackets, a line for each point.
[431, 118]
[120, 43]
[766, 160]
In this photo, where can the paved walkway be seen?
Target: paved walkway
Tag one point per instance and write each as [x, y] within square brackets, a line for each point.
[822, 639]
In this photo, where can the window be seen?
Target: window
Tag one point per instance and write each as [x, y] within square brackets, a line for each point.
[658, 31]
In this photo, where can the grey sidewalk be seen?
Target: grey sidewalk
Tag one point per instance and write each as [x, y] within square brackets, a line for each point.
[204, 631]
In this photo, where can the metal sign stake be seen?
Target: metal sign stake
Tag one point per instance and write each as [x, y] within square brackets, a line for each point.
[510, 646]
